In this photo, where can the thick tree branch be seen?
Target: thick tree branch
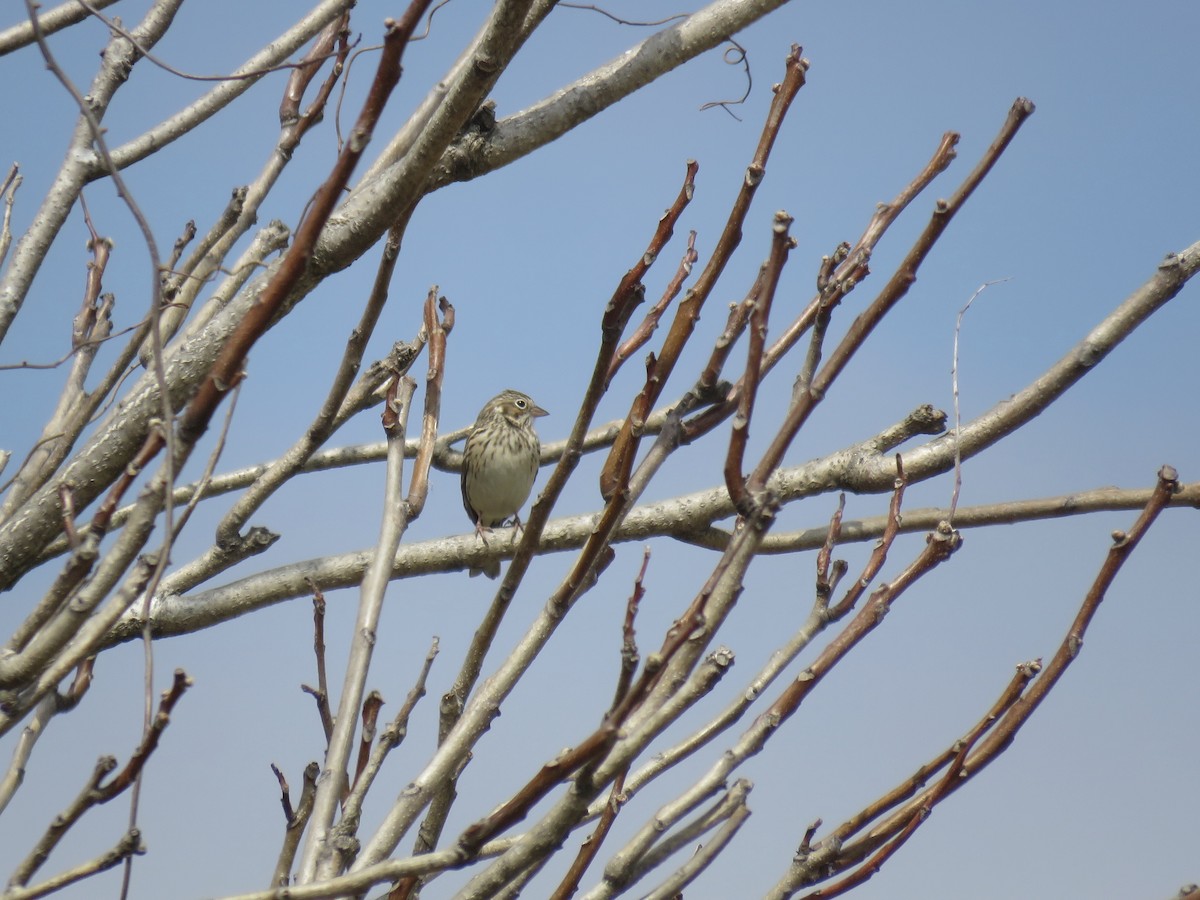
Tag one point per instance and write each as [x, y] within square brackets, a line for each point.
[938, 455]
[684, 517]
[52, 20]
[570, 106]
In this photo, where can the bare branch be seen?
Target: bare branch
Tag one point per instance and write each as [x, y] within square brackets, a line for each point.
[233, 85]
[620, 458]
[130, 845]
[390, 738]
[548, 119]
[297, 820]
[616, 315]
[63, 16]
[82, 163]
[322, 856]
[685, 517]
[326, 420]
[321, 692]
[98, 790]
[768, 280]
[666, 229]
[990, 737]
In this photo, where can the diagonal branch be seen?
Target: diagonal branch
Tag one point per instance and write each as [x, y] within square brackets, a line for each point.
[570, 106]
[990, 737]
[620, 459]
[893, 291]
[62, 16]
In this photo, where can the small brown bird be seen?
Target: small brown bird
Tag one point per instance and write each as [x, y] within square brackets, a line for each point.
[500, 462]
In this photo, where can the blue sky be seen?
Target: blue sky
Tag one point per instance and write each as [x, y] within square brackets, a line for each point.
[1096, 189]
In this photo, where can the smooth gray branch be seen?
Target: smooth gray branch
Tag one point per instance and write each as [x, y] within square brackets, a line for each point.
[52, 20]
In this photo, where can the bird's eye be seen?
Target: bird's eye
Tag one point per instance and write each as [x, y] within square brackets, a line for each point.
[520, 404]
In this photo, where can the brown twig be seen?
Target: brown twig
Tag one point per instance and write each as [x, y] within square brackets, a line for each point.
[181, 243]
[133, 768]
[739, 316]
[649, 324]
[829, 571]
[838, 275]
[630, 291]
[551, 774]
[321, 692]
[1012, 692]
[591, 845]
[370, 717]
[995, 732]
[879, 554]
[342, 400]
[1123, 545]
[228, 367]
[939, 546]
[952, 759]
[285, 798]
[83, 327]
[296, 819]
[306, 70]
[391, 737]
[98, 791]
[436, 332]
[79, 685]
[893, 291]
[687, 313]
[629, 649]
[768, 280]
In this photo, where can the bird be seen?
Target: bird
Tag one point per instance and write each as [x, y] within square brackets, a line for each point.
[500, 462]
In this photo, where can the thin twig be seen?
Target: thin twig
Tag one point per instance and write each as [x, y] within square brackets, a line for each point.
[767, 282]
[296, 820]
[114, 25]
[954, 388]
[100, 789]
[321, 692]
[620, 458]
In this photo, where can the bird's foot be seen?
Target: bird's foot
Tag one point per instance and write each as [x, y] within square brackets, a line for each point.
[517, 528]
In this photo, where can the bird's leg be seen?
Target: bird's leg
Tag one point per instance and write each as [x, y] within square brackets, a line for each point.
[517, 528]
[482, 531]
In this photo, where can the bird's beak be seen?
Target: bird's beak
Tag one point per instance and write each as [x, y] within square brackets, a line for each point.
[538, 411]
